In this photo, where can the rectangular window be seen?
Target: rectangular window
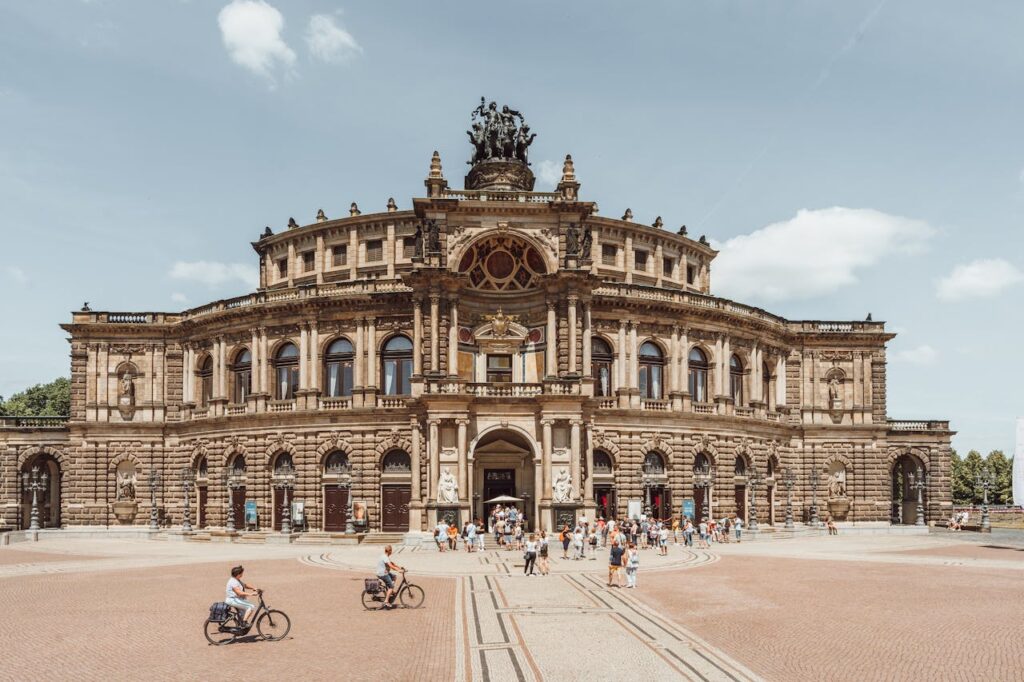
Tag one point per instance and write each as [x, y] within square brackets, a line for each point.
[374, 251]
[667, 266]
[282, 268]
[608, 254]
[339, 255]
[640, 261]
[408, 247]
[499, 369]
[691, 274]
[308, 261]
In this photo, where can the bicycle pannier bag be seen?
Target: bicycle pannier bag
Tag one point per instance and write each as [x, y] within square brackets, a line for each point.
[219, 612]
[372, 585]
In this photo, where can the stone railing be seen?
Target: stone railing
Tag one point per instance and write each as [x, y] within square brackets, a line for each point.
[235, 410]
[498, 195]
[336, 403]
[281, 406]
[389, 402]
[773, 416]
[201, 413]
[482, 390]
[917, 425]
[33, 422]
[655, 405]
[561, 387]
[744, 411]
[607, 403]
[704, 408]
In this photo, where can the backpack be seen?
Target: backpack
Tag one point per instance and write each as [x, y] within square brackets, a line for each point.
[372, 585]
[219, 612]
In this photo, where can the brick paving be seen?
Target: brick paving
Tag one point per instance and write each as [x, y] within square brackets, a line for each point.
[791, 619]
[147, 623]
[11, 556]
[972, 551]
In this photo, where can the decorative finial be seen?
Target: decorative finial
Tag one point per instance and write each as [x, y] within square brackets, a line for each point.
[86, 308]
[392, 206]
[868, 318]
[568, 172]
[435, 182]
[628, 215]
[682, 230]
[353, 210]
[292, 224]
[435, 167]
[703, 240]
[267, 232]
[658, 224]
[321, 217]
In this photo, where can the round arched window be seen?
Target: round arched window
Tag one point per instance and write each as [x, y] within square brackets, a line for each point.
[505, 263]
[652, 362]
[397, 462]
[396, 366]
[286, 368]
[654, 464]
[736, 380]
[602, 462]
[241, 370]
[337, 462]
[698, 375]
[601, 359]
[338, 369]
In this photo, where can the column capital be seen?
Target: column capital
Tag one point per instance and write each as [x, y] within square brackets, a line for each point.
[453, 298]
[462, 422]
[623, 323]
[547, 421]
[435, 298]
[434, 421]
[577, 422]
[552, 303]
[573, 299]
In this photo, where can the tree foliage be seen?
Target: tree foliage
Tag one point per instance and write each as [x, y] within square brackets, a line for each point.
[52, 399]
[965, 477]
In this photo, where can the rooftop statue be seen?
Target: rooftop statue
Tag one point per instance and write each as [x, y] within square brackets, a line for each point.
[501, 135]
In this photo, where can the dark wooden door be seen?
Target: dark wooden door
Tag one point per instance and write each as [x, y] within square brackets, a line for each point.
[202, 506]
[605, 499]
[335, 509]
[395, 516]
[278, 507]
[238, 507]
[741, 501]
[698, 505]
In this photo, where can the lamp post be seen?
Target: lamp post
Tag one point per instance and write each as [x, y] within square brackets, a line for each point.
[233, 485]
[284, 483]
[526, 505]
[35, 482]
[154, 517]
[918, 480]
[985, 481]
[789, 480]
[349, 477]
[186, 486]
[755, 480]
[703, 478]
[815, 521]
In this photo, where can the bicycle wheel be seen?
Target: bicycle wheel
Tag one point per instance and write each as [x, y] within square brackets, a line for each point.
[218, 633]
[273, 625]
[373, 602]
[411, 597]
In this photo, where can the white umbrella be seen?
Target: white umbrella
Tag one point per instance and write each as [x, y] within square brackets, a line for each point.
[500, 499]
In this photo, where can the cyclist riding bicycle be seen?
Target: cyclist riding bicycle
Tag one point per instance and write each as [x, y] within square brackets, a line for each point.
[384, 567]
[236, 594]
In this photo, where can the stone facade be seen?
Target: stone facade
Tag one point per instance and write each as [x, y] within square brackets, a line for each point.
[514, 339]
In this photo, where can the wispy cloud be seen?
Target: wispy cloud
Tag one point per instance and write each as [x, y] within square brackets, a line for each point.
[214, 274]
[982, 278]
[329, 42]
[813, 254]
[178, 297]
[922, 355]
[549, 172]
[16, 275]
[251, 31]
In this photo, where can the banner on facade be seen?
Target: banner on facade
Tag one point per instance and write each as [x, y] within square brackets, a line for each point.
[688, 508]
[250, 512]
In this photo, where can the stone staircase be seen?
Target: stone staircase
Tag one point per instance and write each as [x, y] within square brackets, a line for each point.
[383, 538]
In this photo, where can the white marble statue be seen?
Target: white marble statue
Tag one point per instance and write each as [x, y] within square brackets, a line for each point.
[447, 488]
[562, 487]
[837, 484]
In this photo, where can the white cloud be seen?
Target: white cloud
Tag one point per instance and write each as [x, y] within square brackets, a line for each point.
[329, 42]
[16, 274]
[549, 172]
[922, 355]
[982, 278]
[178, 297]
[213, 274]
[812, 254]
[251, 31]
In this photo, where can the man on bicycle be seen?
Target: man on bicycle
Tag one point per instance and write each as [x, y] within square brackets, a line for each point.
[236, 594]
[384, 567]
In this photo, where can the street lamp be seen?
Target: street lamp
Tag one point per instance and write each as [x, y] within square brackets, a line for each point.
[918, 480]
[755, 480]
[789, 480]
[35, 482]
[526, 505]
[284, 475]
[186, 486]
[815, 521]
[985, 481]
[704, 477]
[349, 477]
[154, 517]
[233, 485]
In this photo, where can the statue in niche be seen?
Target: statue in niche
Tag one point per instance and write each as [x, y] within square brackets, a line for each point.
[417, 240]
[837, 483]
[835, 400]
[572, 240]
[126, 396]
[126, 485]
[447, 488]
[433, 237]
[586, 245]
[562, 486]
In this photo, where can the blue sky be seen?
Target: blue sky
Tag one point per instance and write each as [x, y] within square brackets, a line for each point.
[846, 157]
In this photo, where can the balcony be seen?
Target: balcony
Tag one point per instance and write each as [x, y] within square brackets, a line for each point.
[235, 410]
[704, 408]
[655, 405]
[917, 425]
[33, 422]
[336, 403]
[503, 390]
[747, 412]
[281, 406]
[390, 402]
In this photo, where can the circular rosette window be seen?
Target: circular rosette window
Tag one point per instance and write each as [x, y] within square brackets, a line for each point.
[502, 264]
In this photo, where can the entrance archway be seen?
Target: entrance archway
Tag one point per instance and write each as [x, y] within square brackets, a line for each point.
[905, 471]
[48, 499]
[395, 491]
[502, 464]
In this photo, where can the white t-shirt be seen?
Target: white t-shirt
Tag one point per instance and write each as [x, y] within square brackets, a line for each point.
[531, 546]
[471, 531]
[382, 565]
[232, 584]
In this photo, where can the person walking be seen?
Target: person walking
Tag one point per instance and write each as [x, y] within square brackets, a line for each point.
[663, 540]
[688, 532]
[471, 537]
[737, 527]
[481, 535]
[542, 554]
[703, 536]
[676, 527]
[577, 544]
[566, 539]
[592, 541]
[632, 564]
[615, 565]
[531, 555]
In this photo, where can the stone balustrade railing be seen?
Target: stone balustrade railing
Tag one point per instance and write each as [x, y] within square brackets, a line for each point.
[498, 195]
[917, 425]
[33, 422]
[281, 406]
[704, 408]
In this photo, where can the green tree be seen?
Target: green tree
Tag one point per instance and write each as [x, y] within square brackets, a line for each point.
[52, 399]
[1002, 475]
[965, 473]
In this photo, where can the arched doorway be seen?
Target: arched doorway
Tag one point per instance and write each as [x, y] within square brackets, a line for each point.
[604, 485]
[657, 494]
[395, 491]
[336, 482]
[48, 498]
[236, 489]
[907, 470]
[773, 466]
[740, 480]
[283, 472]
[502, 465]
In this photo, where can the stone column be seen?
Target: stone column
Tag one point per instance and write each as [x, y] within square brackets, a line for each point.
[780, 380]
[358, 366]
[769, 400]
[629, 259]
[313, 373]
[588, 486]
[353, 253]
[371, 352]
[588, 334]
[215, 380]
[551, 369]
[256, 380]
[453, 337]
[634, 365]
[266, 382]
[392, 253]
[435, 331]
[545, 465]
[755, 372]
[462, 445]
[319, 266]
[718, 365]
[417, 336]
[303, 356]
[574, 450]
[434, 448]
[684, 362]
[621, 364]
[222, 377]
[187, 375]
[673, 364]
[416, 495]
[573, 300]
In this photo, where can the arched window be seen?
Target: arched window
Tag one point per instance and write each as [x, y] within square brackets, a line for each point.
[283, 465]
[396, 366]
[337, 462]
[651, 364]
[700, 463]
[766, 383]
[602, 462]
[338, 369]
[771, 467]
[397, 462]
[202, 468]
[242, 371]
[286, 371]
[741, 466]
[601, 360]
[205, 381]
[238, 466]
[654, 464]
[736, 380]
[698, 376]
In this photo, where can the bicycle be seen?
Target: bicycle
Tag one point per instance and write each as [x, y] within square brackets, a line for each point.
[271, 624]
[410, 596]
